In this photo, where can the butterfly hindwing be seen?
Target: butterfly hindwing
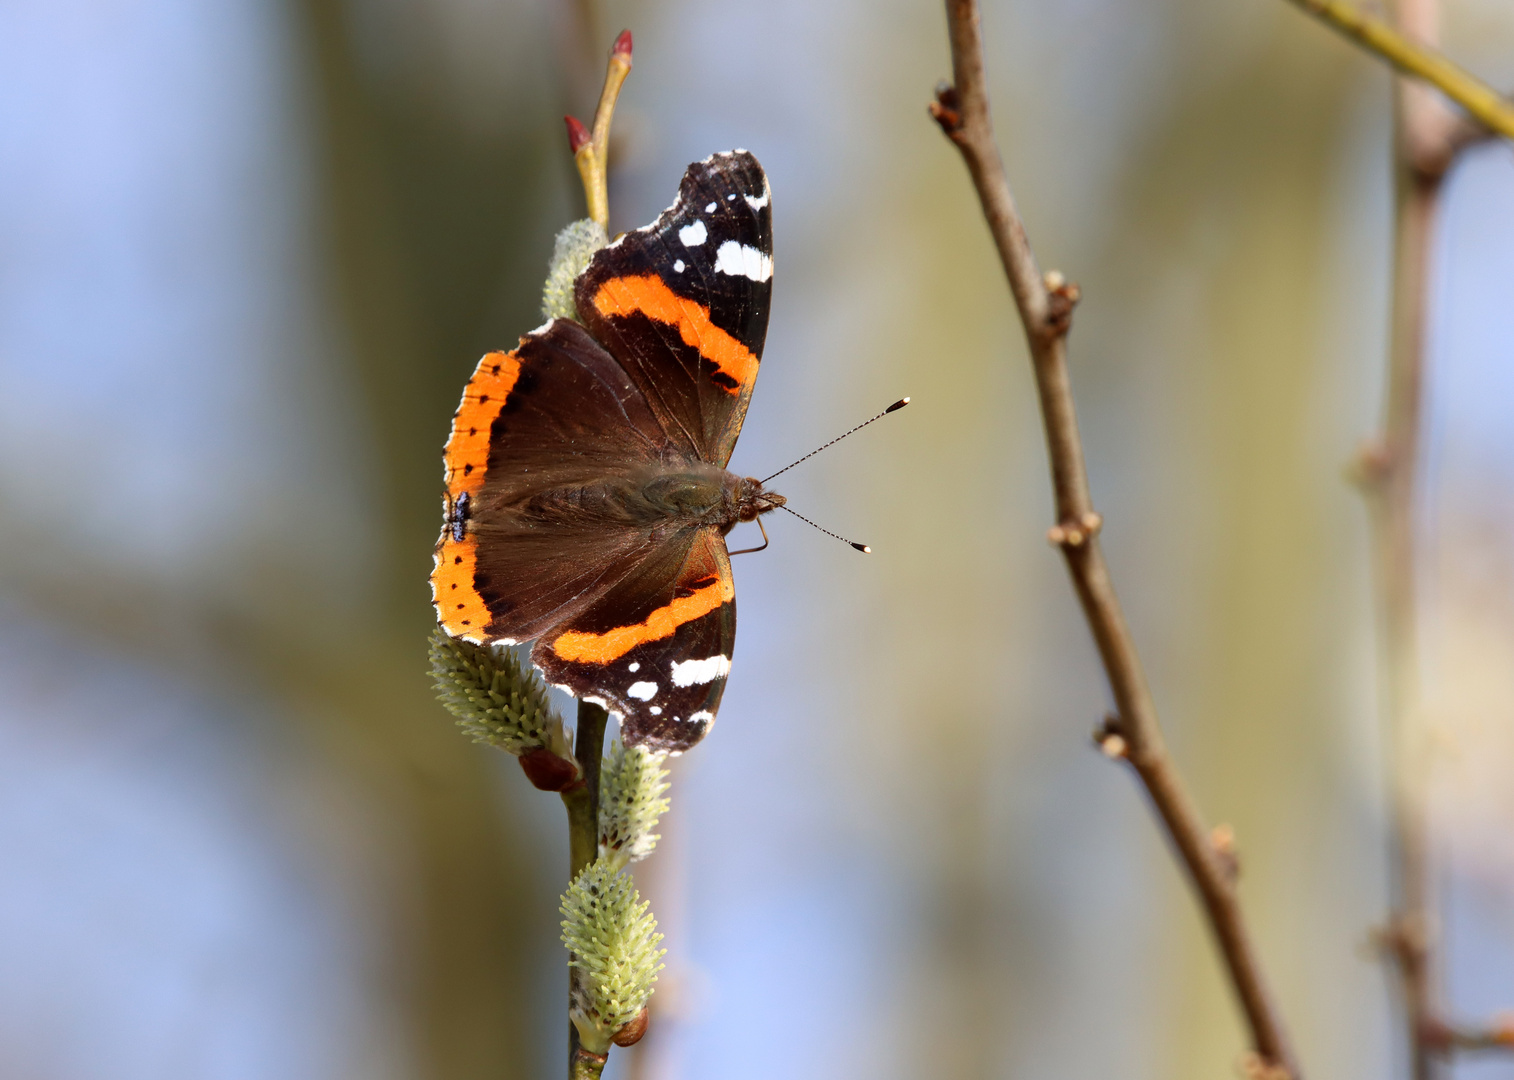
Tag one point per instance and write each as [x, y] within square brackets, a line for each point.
[554, 413]
[683, 303]
[656, 647]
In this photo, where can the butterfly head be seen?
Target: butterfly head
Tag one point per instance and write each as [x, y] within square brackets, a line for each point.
[753, 499]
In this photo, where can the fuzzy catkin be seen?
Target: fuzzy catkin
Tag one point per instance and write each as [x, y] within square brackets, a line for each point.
[614, 941]
[495, 699]
[632, 782]
[575, 246]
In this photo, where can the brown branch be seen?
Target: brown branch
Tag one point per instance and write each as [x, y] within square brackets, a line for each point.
[1428, 137]
[1444, 1037]
[1045, 306]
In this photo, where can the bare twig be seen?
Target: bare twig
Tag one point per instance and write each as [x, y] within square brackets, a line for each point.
[1045, 306]
[1411, 54]
[1496, 1037]
[591, 153]
[591, 146]
[1419, 167]
[582, 801]
[1427, 138]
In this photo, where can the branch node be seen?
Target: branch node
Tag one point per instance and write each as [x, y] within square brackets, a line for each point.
[946, 110]
[1061, 297]
[1222, 839]
[1073, 534]
[1108, 738]
[1254, 1066]
[1370, 467]
[1408, 937]
[1435, 1033]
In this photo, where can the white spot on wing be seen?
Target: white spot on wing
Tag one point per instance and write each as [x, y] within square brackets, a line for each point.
[693, 235]
[678, 265]
[634, 666]
[742, 260]
[593, 699]
[701, 717]
[642, 691]
[709, 208]
[655, 710]
[758, 202]
[689, 672]
[731, 196]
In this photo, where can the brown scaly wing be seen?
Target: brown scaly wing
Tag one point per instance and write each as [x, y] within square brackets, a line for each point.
[655, 648]
[556, 411]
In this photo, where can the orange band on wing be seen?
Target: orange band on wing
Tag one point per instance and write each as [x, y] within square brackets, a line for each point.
[459, 608]
[647, 295]
[467, 453]
[580, 648]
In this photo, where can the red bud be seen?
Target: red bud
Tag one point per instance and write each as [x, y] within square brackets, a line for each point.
[631, 1034]
[622, 47]
[547, 771]
[578, 135]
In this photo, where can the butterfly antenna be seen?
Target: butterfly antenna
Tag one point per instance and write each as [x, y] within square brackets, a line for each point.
[892, 408]
[860, 547]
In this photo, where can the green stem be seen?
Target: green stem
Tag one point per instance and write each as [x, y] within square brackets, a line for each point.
[1413, 58]
[586, 1066]
[582, 802]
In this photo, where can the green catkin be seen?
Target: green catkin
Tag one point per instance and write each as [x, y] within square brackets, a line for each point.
[632, 782]
[575, 246]
[495, 698]
[614, 941]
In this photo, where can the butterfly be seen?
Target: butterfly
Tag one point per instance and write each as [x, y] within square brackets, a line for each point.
[587, 496]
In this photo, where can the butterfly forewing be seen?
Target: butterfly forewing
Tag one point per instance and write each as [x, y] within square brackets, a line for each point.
[555, 413]
[683, 303]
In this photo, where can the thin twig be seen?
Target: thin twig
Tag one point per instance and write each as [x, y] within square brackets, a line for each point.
[1496, 1037]
[1045, 307]
[591, 153]
[591, 145]
[1427, 137]
[582, 801]
[1419, 59]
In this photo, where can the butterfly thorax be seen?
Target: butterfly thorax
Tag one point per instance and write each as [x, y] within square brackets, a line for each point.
[657, 496]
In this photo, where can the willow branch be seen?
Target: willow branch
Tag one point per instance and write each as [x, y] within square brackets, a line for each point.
[1045, 306]
[591, 145]
[1418, 59]
[582, 801]
[1427, 138]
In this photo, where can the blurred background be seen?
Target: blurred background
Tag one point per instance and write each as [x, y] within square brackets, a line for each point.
[249, 253]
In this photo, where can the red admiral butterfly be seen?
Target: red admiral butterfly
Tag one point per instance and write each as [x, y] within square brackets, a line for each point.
[587, 496]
